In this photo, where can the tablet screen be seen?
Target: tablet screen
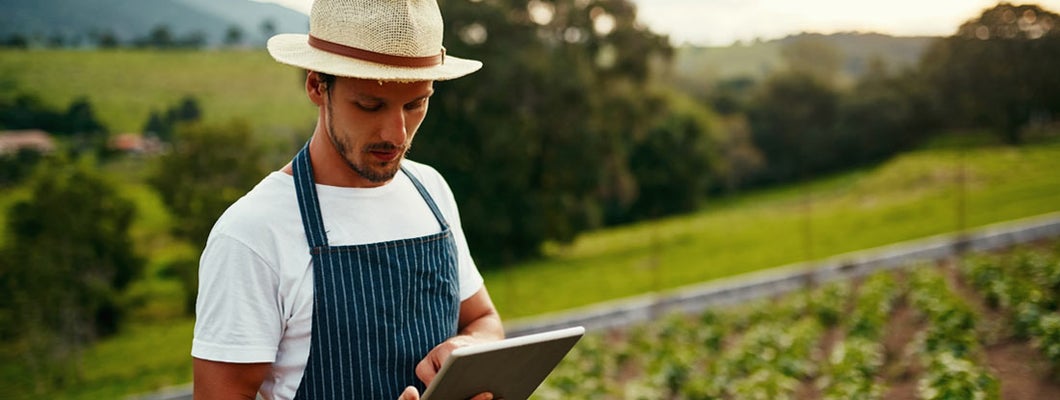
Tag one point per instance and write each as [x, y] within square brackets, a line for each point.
[511, 368]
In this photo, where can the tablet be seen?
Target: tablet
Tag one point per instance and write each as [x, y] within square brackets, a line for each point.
[511, 369]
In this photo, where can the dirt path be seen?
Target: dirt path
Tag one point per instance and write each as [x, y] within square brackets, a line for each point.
[901, 369]
[1024, 373]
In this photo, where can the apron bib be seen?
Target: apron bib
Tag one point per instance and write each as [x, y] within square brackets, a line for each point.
[377, 308]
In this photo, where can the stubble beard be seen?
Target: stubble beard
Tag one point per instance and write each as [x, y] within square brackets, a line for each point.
[386, 170]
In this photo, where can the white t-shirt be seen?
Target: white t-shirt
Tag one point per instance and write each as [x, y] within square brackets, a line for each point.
[255, 299]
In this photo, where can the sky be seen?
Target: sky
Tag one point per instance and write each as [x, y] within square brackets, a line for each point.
[723, 22]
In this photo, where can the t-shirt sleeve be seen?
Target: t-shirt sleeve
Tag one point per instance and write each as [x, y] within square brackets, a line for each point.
[238, 317]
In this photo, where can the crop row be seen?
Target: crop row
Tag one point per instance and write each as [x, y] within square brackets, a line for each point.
[1025, 284]
[822, 343]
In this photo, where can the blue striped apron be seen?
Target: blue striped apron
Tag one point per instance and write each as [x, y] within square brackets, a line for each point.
[378, 308]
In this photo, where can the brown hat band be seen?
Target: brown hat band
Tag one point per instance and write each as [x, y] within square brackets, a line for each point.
[378, 58]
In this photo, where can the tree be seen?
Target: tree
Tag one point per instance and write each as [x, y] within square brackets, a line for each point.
[162, 125]
[104, 39]
[536, 145]
[160, 37]
[673, 164]
[207, 169]
[14, 167]
[881, 115]
[81, 125]
[15, 41]
[78, 122]
[268, 27]
[67, 256]
[792, 120]
[998, 70]
[233, 36]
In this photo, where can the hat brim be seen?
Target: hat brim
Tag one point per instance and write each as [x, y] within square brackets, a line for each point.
[294, 49]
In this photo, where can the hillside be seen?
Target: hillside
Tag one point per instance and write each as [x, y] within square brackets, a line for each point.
[229, 84]
[76, 21]
[758, 59]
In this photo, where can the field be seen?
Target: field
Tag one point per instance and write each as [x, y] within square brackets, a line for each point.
[247, 85]
[913, 196]
[981, 327]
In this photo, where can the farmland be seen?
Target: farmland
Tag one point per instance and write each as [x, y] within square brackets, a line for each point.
[984, 326]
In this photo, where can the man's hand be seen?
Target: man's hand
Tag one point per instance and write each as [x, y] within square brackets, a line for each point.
[478, 323]
[428, 368]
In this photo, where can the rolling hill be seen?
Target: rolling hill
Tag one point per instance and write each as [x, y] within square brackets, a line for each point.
[758, 59]
[77, 21]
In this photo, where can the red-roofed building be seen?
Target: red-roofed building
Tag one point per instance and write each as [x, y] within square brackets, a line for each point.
[13, 141]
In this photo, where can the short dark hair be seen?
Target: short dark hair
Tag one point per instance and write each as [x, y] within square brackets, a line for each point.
[327, 79]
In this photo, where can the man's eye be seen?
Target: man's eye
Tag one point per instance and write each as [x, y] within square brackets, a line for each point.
[416, 104]
[370, 106]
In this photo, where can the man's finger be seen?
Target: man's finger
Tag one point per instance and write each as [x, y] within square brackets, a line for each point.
[410, 393]
[483, 396]
[425, 371]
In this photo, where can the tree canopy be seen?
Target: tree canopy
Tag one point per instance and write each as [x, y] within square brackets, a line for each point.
[998, 70]
[66, 258]
[554, 113]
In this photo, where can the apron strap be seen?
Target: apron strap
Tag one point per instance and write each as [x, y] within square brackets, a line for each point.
[306, 189]
[427, 197]
[308, 201]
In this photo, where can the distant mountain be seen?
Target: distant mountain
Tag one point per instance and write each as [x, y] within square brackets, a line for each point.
[758, 59]
[127, 20]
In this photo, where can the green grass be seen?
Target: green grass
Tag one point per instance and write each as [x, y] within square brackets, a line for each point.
[143, 358]
[910, 197]
[124, 86]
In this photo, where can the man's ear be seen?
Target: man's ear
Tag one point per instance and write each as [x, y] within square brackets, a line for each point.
[315, 88]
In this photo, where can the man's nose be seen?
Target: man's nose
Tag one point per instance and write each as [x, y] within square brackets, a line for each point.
[394, 129]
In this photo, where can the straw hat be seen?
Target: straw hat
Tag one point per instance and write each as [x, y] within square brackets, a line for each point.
[387, 40]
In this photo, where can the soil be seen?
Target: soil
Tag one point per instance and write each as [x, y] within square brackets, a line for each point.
[901, 369]
[1021, 369]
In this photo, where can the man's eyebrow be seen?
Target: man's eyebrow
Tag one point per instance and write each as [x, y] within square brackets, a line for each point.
[367, 97]
[430, 92]
[371, 98]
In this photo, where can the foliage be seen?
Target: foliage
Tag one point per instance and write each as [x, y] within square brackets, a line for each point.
[950, 377]
[767, 348]
[556, 120]
[27, 111]
[949, 347]
[208, 168]
[162, 125]
[14, 167]
[670, 163]
[1026, 284]
[791, 123]
[973, 90]
[67, 257]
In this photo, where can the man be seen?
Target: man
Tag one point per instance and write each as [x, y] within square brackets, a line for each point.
[345, 275]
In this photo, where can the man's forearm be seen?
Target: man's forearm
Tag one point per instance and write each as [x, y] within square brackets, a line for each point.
[485, 327]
